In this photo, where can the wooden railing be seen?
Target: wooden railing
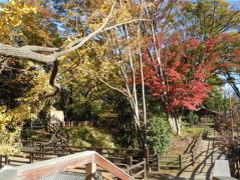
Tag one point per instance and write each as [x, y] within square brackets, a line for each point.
[48, 147]
[118, 155]
[77, 124]
[138, 170]
[56, 165]
[132, 166]
[180, 162]
[196, 147]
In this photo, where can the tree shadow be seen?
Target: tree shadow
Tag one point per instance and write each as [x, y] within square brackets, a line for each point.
[208, 175]
[165, 176]
[200, 167]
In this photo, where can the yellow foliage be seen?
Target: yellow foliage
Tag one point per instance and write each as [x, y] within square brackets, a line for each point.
[11, 120]
[9, 144]
[12, 13]
[8, 139]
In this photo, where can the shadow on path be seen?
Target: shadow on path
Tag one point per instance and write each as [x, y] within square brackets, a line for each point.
[165, 176]
[202, 169]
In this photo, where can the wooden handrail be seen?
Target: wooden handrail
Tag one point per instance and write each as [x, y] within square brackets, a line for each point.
[136, 165]
[110, 167]
[60, 164]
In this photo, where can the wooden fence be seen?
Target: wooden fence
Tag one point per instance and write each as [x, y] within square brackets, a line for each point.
[134, 161]
[43, 147]
[77, 124]
[180, 162]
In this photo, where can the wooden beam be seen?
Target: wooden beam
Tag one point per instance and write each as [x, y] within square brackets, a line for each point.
[60, 164]
[56, 165]
[90, 170]
[110, 167]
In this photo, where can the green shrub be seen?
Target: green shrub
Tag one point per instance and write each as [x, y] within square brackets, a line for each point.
[90, 137]
[159, 135]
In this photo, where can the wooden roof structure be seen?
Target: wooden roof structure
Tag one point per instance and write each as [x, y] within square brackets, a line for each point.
[53, 169]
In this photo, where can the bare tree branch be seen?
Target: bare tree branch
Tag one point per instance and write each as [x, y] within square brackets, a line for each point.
[85, 39]
[124, 23]
[111, 87]
[75, 42]
[32, 52]
[25, 53]
[52, 81]
[40, 48]
[29, 52]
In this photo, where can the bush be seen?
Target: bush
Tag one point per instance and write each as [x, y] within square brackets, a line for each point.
[159, 135]
[90, 137]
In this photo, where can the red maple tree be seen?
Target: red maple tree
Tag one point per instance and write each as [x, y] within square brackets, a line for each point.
[176, 70]
[180, 71]
[178, 76]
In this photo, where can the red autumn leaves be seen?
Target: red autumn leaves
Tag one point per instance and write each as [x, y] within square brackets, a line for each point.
[177, 70]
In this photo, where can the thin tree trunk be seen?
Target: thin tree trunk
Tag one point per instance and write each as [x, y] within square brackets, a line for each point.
[142, 79]
[178, 120]
[172, 123]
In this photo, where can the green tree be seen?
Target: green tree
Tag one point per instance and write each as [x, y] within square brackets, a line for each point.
[159, 134]
[216, 100]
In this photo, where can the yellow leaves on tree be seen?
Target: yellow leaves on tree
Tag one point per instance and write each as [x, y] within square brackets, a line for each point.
[11, 120]
[12, 13]
[9, 143]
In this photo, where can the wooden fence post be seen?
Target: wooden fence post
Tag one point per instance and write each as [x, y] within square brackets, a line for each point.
[130, 163]
[64, 149]
[41, 149]
[146, 156]
[6, 160]
[115, 154]
[158, 162]
[145, 169]
[180, 162]
[90, 170]
[31, 157]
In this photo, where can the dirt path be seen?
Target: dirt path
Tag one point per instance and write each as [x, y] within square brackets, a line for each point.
[202, 169]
